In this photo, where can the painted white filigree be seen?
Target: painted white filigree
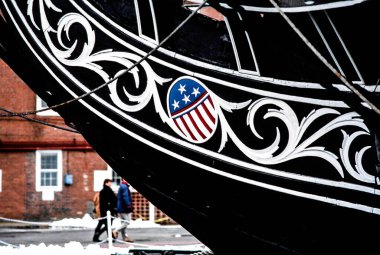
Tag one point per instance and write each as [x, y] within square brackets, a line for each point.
[298, 145]
[358, 172]
[87, 58]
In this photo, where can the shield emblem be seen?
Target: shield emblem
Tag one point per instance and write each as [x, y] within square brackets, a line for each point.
[192, 109]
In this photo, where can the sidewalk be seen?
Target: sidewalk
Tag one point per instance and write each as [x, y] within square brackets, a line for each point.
[17, 233]
[173, 240]
[147, 236]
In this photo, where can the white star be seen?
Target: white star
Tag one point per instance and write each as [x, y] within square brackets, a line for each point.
[195, 92]
[175, 104]
[182, 88]
[186, 99]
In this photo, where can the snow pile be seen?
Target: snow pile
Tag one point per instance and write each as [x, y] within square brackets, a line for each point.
[42, 249]
[86, 222]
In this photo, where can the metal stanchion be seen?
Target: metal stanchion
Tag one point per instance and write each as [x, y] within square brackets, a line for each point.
[109, 230]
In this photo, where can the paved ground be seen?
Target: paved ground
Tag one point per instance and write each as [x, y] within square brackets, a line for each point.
[157, 236]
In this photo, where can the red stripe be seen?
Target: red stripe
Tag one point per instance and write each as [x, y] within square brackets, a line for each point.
[208, 113]
[196, 126]
[176, 123]
[211, 102]
[188, 129]
[203, 120]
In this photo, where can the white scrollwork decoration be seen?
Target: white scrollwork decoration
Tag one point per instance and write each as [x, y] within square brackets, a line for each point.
[297, 144]
[88, 59]
[358, 172]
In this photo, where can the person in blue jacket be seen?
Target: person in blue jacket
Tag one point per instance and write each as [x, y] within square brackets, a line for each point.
[125, 209]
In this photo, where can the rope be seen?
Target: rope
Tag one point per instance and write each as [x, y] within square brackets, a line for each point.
[324, 61]
[41, 122]
[8, 244]
[162, 219]
[155, 221]
[117, 76]
[206, 252]
[26, 222]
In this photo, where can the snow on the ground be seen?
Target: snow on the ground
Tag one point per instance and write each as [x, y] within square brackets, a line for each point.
[72, 247]
[69, 248]
[88, 222]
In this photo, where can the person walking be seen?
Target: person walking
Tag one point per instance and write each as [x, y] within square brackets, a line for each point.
[125, 209]
[107, 202]
[96, 202]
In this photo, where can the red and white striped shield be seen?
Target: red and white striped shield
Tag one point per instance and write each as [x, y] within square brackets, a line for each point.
[192, 109]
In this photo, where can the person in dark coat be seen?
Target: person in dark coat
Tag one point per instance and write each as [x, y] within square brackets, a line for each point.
[125, 209]
[107, 202]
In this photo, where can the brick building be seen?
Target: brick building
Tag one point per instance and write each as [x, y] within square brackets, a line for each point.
[47, 173]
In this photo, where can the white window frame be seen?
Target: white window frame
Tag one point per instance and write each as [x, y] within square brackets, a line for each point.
[59, 170]
[112, 174]
[39, 106]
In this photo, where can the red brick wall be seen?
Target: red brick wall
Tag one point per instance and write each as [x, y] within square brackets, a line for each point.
[74, 200]
[19, 199]
[17, 97]
[13, 187]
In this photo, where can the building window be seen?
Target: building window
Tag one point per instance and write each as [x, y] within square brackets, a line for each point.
[116, 179]
[41, 104]
[49, 170]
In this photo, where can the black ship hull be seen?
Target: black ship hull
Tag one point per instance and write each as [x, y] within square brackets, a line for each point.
[233, 128]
